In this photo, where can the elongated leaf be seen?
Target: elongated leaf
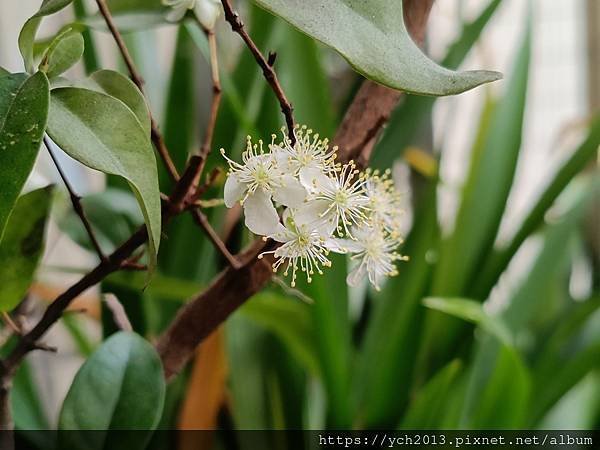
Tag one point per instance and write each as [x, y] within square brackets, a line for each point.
[488, 185]
[401, 130]
[132, 15]
[471, 311]
[108, 137]
[119, 86]
[27, 409]
[29, 30]
[427, 409]
[63, 53]
[575, 163]
[552, 257]
[373, 38]
[500, 389]
[23, 115]
[290, 321]
[22, 246]
[387, 360]
[121, 386]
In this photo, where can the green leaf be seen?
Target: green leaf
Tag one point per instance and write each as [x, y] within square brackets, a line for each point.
[373, 38]
[471, 311]
[499, 260]
[554, 254]
[103, 133]
[63, 53]
[427, 409]
[289, 320]
[122, 88]
[22, 246]
[120, 387]
[29, 30]
[487, 186]
[401, 130]
[26, 407]
[499, 389]
[23, 115]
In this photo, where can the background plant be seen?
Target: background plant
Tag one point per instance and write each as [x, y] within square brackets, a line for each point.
[423, 353]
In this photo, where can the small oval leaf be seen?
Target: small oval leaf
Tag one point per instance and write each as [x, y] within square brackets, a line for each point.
[119, 86]
[63, 53]
[23, 114]
[373, 38]
[29, 30]
[22, 246]
[120, 387]
[101, 132]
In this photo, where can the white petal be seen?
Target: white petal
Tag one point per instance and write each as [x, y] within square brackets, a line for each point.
[291, 194]
[314, 180]
[357, 274]
[234, 190]
[310, 213]
[282, 234]
[261, 215]
[338, 245]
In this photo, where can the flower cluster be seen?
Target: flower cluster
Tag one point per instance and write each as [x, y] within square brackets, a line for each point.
[327, 207]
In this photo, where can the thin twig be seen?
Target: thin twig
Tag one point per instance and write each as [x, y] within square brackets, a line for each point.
[269, 73]
[203, 222]
[135, 76]
[76, 201]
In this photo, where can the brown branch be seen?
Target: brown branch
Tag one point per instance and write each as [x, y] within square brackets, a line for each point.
[135, 76]
[76, 201]
[369, 111]
[269, 73]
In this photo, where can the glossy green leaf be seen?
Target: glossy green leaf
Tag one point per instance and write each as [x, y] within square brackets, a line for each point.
[387, 359]
[471, 311]
[22, 246]
[373, 38]
[487, 186]
[119, 86]
[427, 409]
[23, 115]
[63, 53]
[120, 387]
[499, 260]
[103, 133]
[288, 319]
[401, 130]
[29, 30]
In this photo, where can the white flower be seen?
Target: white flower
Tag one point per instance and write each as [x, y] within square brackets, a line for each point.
[384, 200]
[257, 182]
[309, 157]
[376, 251]
[303, 244]
[342, 196]
[207, 11]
